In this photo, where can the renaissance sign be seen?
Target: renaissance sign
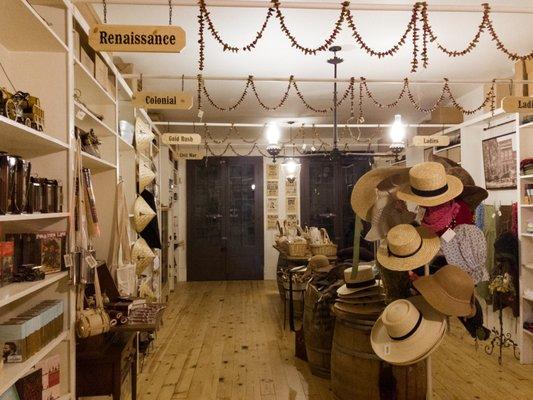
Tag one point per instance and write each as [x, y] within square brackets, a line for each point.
[181, 138]
[163, 100]
[435, 140]
[137, 38]
[514, 104]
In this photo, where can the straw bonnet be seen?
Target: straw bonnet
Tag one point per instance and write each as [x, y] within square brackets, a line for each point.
[363, 280]
[407, 331]
[386, 213]
[142, 255]
[468, 250]
[146, 176]
[143, 139]
[429, 185]
[364, 191]
[407, 248]
[450, 290]
[320, 264]
[472, 195]
[142, 214]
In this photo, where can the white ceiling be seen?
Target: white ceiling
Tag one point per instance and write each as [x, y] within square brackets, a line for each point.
[274, 57]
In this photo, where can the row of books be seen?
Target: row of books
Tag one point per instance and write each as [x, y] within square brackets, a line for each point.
[31, 330]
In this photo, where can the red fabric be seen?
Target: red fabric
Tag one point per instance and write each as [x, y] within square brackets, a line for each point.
[514, 219]
[448, 215]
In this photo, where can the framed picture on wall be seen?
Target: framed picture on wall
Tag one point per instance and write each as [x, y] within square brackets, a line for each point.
[499, 162]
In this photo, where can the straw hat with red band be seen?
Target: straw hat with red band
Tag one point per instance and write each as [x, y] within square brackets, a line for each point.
[407, 331]
[429, 185]
[407, 248]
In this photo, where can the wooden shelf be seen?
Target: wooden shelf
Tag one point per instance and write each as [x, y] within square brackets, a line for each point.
[528, 266]
[527, 206]
[526, 125]
[91, 90]
[23, 29]
[530, 176]
[32, 217]
[527, 298]
[26, 142]
[453, 146]
[15, 291]
[527, 235]
[123, 145]
[528, 333]
[95, 164]
[90, 121]
[13, 372]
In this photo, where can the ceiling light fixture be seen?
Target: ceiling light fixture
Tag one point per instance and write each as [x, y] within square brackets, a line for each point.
[273, 134]
[397, 135]
[291, 166]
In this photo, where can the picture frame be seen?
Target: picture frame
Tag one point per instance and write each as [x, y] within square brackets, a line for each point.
[499, 162]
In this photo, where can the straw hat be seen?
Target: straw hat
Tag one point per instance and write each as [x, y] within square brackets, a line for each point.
[368, 292]
[386, 213]
[364, 190]
[472, 195]
[143, 140]
[407, 248]
[363, 280]
[146, 176]
[426, 355]
[429, 185]
[377, 298]
[407, 331]
[320, 264]
[142, 214]
[142, 255]
[450, 290]
[367, 309]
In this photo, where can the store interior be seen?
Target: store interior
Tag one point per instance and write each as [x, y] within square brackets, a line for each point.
[232, 199]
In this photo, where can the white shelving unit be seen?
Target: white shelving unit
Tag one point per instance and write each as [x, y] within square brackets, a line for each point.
[525, 214]
[35, 52]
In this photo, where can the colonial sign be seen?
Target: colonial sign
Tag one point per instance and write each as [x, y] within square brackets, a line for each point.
[181, 138]
[189, 154]
[434, 140]
[137, 38]
[163, 100]
[514, 104]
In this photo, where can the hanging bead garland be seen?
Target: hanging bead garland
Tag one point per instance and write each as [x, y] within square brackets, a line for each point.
[419, 13]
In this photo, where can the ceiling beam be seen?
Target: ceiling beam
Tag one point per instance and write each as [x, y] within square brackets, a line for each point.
[407, 7]
[296, 126]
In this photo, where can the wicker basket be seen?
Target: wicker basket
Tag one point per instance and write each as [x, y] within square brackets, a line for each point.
[298, 249]
[327, 248]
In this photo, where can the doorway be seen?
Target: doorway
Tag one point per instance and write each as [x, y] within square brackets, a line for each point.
[225, 219]
[326, 188]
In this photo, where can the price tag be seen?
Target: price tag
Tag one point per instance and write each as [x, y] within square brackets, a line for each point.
[69, 263]
[80, 114]
[200, 114]
[448, 235]
[386, 349]
[91, 261]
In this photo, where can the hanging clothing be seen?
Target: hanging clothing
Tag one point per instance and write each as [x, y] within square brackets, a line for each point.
[480, 217]
[448, 215]
[490, 235]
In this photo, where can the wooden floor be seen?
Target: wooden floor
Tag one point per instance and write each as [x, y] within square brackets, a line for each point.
[225, 340]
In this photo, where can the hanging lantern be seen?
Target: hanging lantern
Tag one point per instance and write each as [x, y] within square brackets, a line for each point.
[291, 168]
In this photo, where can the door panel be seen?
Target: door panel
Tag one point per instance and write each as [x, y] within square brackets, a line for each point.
[326, 188]
[227, 195]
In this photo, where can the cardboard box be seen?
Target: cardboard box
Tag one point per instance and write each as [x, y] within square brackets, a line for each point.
[446, 115]
[502, 90]
[101, 71]
[86, 60]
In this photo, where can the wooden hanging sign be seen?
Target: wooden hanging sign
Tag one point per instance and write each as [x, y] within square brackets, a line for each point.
[513, 104]
[189, 154]
[137, 38]
[434, 140]
[181, 138]
[163, 100]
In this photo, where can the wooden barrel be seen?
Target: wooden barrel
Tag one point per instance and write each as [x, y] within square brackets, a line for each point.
[358, 373]
[318, 330]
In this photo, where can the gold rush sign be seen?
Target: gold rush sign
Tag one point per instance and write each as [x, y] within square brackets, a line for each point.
[137, 38]
[163, 100]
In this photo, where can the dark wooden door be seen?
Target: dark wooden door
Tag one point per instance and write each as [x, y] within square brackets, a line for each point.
[326, 187]
[225, 218]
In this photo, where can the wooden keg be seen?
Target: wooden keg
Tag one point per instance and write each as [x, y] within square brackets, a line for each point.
[318, 330]
[357, 373]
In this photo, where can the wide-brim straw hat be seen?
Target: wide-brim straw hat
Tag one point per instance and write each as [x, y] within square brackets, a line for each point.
[407, 248]
[368, 292]
[142, 255]
[146, 176]
[429, 185]
[450, 290]
[365, 309]
[426, 355]
[379, 298]
[363, 279]
[386, 213]
[142, 214]
[407, 331]
[364, 191]
[472, 195]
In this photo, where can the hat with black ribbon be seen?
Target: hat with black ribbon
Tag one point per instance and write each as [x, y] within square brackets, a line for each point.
[430, 186]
